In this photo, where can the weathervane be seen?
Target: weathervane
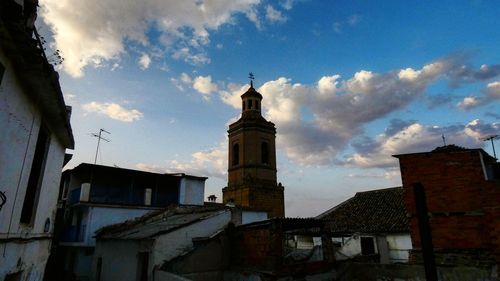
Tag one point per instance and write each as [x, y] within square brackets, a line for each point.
[250, 75]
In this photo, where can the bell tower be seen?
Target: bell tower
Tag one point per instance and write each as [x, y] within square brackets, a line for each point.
[252, 160]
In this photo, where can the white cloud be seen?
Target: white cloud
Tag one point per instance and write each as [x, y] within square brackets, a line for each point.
[337, 27]
[354, 19]
[93, 32]
[328, 84]
[204, 85]
[114, 111]
[185, 78]
[144, 61]
[468, 103]
[493, 90]
[274, 15]
[488, 95]
[150, 168]
[210, 163]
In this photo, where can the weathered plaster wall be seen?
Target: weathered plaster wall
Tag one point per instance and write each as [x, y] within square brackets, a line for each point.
[20, 122]
[30, 258]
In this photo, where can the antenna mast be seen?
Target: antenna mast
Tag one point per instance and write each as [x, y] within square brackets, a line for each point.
[99, 138]
[491, 138]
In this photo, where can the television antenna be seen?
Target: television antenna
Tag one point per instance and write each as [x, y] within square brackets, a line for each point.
[491, 138]
[99, 138]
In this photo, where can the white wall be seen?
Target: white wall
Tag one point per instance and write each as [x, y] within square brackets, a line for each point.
[119, 259]
[20, 123]
[399, 247]
[192, 191]
[33, 256]
[175, 243]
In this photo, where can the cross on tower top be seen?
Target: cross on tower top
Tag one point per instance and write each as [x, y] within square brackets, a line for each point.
[250, 75]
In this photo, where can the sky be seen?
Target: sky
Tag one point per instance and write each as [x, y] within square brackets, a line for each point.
[347, 83]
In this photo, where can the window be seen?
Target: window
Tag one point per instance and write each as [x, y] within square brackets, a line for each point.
[249, 104]
[2, 71]
[35, 177]
[142, 266]
[256, 104]
[264, 151]
[99, 269]
[243, 105]
[367, 246]
[236, 154]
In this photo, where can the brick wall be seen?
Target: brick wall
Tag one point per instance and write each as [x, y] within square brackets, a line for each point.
[270, 199]
[464, 207]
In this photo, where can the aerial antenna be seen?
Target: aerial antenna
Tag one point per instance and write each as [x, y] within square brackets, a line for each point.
[250, 75]
[444, 139]
[491, 138]
[99, 138]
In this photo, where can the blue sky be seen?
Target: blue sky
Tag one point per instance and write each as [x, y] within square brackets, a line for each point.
[347, 83]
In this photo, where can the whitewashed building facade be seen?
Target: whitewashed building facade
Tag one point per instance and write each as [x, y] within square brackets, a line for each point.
[34, 133]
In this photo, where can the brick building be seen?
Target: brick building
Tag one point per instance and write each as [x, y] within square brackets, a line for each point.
[252, 160]
[462, 194]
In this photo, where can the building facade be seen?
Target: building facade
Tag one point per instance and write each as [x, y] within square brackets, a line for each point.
[371, 226]
[35, 131]
[252, 173]
[462, 194]
[95, 196]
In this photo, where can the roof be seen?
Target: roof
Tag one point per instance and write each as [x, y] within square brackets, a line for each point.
[376, 211]
[450, 148]
[158, 222]
[84, 167]
[287, 224]
[251, 92]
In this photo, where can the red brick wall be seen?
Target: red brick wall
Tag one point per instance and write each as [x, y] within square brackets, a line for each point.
[464, 208]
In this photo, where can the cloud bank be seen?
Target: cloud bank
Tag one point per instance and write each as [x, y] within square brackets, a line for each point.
[316, 122]
[92, 32]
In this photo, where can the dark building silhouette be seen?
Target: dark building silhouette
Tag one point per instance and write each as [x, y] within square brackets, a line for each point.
[252, 160]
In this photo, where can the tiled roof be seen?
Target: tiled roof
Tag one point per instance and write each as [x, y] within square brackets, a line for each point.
[158, 222]
[376, 211]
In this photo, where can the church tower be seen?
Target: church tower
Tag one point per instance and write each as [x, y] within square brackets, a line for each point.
[252, 160]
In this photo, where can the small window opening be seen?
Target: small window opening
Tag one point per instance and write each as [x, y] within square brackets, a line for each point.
[99, 269]
[256, 104]
[35, 177]
[2, 71]
[236, 154]
[143, 265]
[367, 246]
[264, 149]
[243, 105]
[249, 104]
